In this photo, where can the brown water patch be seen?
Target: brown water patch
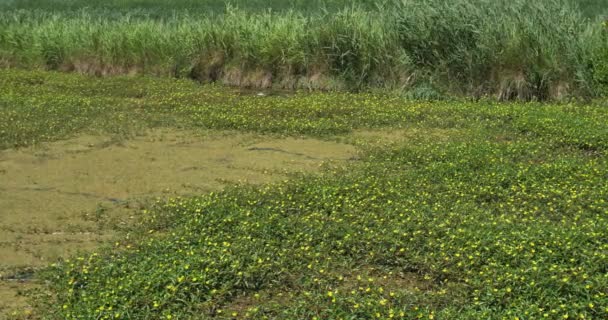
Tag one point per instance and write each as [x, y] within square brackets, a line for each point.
[61, 197]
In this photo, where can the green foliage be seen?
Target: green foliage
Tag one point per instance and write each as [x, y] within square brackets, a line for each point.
[483, 210]
[516, 48]
[593, 8]
[424, 92]
[42, 106]
[352, 45]
[506, 49]
[160, 8]
[600, 59]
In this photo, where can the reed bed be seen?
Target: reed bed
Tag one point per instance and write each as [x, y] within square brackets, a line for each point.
[428, 49]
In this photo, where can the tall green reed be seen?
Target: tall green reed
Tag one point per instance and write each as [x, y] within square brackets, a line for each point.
[504, 49]
[523, 49]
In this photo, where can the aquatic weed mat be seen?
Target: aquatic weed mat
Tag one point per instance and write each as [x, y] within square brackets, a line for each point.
[507, 222]
[454, 209]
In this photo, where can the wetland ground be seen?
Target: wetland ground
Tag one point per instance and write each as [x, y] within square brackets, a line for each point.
[157, 198]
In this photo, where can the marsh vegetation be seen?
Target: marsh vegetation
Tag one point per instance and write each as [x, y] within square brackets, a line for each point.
[292, 159]
[430, 49]
[422, 209]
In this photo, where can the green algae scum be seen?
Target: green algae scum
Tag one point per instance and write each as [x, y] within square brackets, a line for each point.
[212, 160]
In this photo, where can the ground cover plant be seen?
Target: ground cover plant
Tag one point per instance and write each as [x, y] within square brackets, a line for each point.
[460, 210]
[456, 206]
[504, 49]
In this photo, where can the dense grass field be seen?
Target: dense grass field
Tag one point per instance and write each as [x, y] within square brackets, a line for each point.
[452, 210]
[591, 8]
[507, 50]
[160, 7]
